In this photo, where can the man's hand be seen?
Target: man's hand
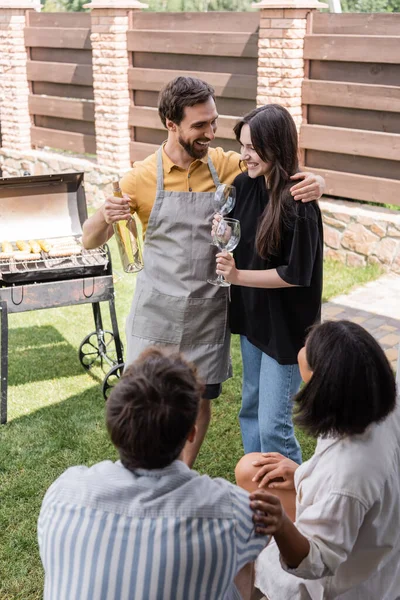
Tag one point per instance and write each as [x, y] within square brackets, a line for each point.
[116, 209]
[269, 516]
[226, 266]
[275, 466]
[310, 187]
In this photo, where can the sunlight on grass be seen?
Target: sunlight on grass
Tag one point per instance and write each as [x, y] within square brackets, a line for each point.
[56, 419]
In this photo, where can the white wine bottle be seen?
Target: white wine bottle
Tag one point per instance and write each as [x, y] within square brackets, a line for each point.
[129, 239]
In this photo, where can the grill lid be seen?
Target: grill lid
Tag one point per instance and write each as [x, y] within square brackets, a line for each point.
[42, 206]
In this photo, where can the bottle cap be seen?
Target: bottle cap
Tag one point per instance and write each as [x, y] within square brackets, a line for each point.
[116, 187]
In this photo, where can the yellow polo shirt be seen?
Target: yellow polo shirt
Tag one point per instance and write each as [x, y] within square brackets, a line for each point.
[140, 182]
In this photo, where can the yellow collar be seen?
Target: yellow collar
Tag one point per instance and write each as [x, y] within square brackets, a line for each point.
[169, 165]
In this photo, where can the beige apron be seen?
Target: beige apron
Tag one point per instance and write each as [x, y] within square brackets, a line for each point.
[173, 305]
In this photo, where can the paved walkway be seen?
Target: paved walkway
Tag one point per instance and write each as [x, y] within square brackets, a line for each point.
[376, 306]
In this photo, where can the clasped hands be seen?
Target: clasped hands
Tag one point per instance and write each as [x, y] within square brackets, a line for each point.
[277, 472]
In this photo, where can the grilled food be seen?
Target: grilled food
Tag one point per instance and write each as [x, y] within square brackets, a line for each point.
[45, 245]
[23, 246]
[23, 255]
[7, 247]
[34, 246]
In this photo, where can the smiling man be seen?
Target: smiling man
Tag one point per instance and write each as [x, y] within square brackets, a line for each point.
[172, 192]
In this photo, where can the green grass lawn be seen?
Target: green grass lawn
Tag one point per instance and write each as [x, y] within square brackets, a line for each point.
[56, 419]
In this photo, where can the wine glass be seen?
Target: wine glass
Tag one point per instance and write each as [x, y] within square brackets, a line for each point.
[224, 201]
[226, 237]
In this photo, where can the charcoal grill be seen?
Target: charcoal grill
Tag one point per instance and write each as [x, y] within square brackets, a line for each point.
[52, 209]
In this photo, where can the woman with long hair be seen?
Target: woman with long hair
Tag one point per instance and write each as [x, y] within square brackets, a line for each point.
[345, 542]
[276, 272]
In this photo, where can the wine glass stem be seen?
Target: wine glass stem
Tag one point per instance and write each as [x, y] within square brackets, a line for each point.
[220, 279]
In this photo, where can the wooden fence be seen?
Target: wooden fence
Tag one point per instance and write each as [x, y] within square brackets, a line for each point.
[218, 47]
[352, 97]
[60, 76]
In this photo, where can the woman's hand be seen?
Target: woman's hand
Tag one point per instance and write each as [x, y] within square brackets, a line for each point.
[275, 466]
[226, 266]
[310, 187]
[116, 209]
[216, 219]
[269, 515]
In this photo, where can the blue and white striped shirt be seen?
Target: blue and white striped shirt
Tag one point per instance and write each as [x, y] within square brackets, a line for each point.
[106, 533]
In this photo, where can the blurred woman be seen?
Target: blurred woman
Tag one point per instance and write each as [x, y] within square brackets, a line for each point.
[345, 542]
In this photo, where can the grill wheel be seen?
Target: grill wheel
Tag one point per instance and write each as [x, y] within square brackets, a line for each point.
[98, 346]
[111, 379]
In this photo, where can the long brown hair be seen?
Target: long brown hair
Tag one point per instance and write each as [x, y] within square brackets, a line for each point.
[274, 138]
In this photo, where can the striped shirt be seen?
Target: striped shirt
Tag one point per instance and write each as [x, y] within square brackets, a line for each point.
[106, 533]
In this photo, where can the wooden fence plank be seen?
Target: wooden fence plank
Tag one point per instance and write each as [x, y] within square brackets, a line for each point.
[357, 23]
[359, 187]
[351, 95]
[199, 42]
[351, 141]
[358, 48]
[63, 91]
[355, 72]
[69, 125]
[225, 84]
[66, 73]
[61, 19]
[353, 163]
[62, 140]
[63, 108]
[140, 150]
[148, 117]
[61, 55]
[353, 118]
[57, 37]
[192, 62]
[200, 21]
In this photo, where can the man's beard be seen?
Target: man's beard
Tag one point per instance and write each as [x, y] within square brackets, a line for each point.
[191, 150]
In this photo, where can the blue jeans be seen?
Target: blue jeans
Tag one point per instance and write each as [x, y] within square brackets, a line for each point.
[266, 413]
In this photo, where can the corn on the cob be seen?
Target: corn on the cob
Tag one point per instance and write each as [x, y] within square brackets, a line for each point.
[6, 255]
[23, 246]
[34, 246]
[45, 245]
[6, 247]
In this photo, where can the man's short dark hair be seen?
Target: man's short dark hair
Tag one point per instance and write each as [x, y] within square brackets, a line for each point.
[152, 409]
[179, 93]
[352, 384]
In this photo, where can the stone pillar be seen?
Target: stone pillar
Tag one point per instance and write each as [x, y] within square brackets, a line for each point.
[283, 25]
[110, 23]
[14, 88]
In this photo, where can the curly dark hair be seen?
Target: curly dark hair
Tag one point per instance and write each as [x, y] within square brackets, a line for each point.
[352, 384]
[179, 93]
[152, 409]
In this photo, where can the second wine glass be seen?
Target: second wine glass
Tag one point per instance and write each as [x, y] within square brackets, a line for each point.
[226, 237]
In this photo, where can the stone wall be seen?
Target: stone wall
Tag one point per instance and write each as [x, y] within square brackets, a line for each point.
[358, 234]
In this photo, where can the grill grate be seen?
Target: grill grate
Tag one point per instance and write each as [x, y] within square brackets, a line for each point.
[87, 258]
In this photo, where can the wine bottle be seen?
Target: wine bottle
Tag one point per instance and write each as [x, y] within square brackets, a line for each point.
[129, 239]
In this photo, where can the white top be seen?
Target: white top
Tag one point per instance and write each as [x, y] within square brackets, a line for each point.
[348, 507]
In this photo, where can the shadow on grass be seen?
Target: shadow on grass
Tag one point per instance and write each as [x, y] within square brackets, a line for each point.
[40, 353]
[34, 450]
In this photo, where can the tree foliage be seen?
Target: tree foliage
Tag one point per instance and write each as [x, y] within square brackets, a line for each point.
[233, 5]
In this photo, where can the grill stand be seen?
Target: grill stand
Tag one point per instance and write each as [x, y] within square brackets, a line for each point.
[3, 362]
[55, 294]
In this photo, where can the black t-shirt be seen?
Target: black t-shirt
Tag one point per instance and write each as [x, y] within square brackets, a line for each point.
[276, 320]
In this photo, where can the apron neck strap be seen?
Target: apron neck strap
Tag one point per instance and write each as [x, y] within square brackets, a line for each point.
[213, 172]
[160, 171]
